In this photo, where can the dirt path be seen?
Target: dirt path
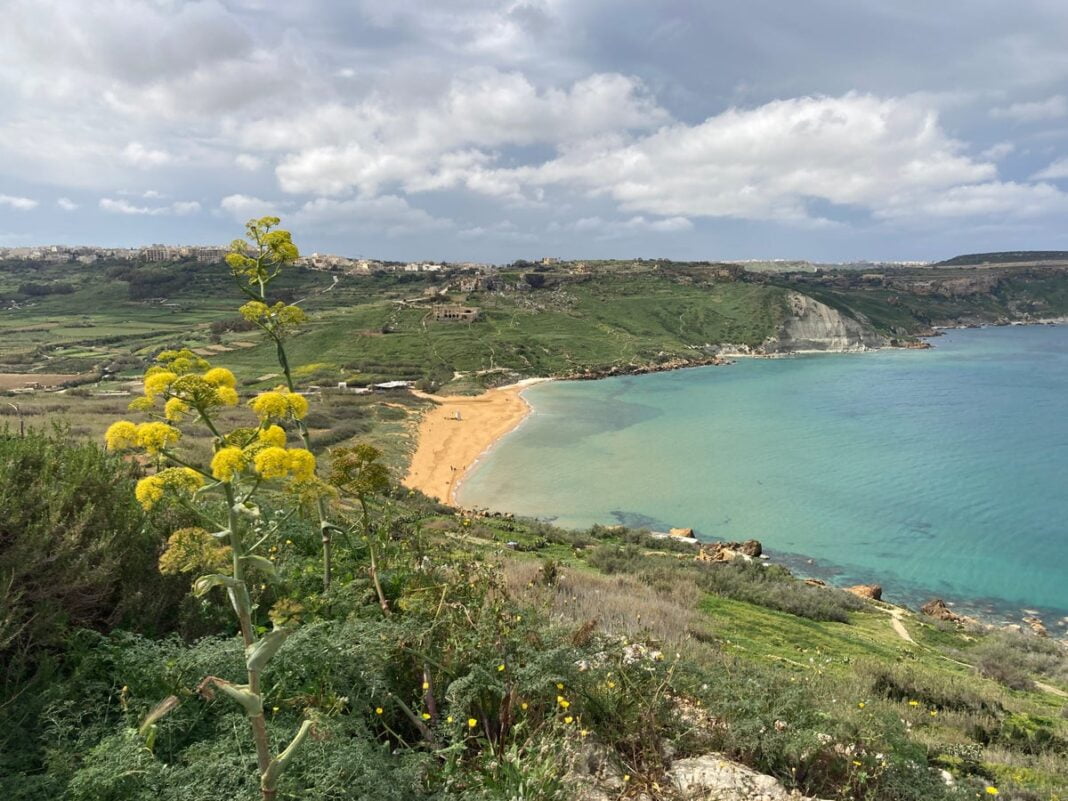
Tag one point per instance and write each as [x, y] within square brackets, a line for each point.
[1049, 688]
[899, 627]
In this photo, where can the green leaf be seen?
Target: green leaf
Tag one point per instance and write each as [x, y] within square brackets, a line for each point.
[260, 652]
[203, 584]
[261, 563]
[278, 764]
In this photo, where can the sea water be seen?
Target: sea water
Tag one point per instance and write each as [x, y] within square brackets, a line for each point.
[939, 472]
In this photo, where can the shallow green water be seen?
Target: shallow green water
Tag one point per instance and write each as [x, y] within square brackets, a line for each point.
[940, 472]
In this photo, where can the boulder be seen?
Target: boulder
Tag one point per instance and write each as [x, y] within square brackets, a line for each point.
[937, 609]
[713, 777]
[751, 548]
[681, 532]
[1036, 625]
[871, 592]
[812, 582]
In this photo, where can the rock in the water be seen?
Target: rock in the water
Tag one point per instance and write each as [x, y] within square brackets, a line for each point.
[872, 592]
[713, 777]
[813, 582]
[751, 548]
[681, 532]
[1036, 624]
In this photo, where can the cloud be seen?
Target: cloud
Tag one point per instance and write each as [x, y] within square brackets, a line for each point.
[67, 204]
[998, 151]
[248, 162]
[20, 203]
[388, 213]
[245, 207]
[121, 206]
[601, 228]
[144, 158]
[994, 198]
[1057, 170]
[379, 144]
[772, 162]
[1051, 108]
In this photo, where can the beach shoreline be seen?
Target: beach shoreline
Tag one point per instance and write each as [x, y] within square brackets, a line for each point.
[457, 432]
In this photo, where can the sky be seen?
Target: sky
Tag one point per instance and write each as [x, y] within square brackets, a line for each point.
[829, 130]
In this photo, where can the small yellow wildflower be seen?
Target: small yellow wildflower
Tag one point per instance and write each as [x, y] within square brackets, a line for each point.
[500, 667]
[426, 685]
[626, 777]
[992, 791]
[914, 703]
[449, 719]
[227, 462]
[856, 763]
[158, 382]
[523, 705]
[301, 463]
[569, 720]
[611, 685]
[154, 437]
[471, 723]
[584, 732]
[559, 685]
[274, 709]
[227, 396]
[220, 377]
[934, 713]
[378, 710]
[174, 408]
[121, 436]
[860, 705]
[564, 703]
[426, 716]
[275, 436]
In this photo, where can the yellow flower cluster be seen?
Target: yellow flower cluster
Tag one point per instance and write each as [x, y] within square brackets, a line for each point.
[226, 462]
[153, 437]
[150, 490]
[279, 316]
[276, 462]
[220, 377]
[158, 381]
[278, 404]
[193, 550]
[272, 436]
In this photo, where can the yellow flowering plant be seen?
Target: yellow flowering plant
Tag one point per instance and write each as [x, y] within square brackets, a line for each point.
[182, 390]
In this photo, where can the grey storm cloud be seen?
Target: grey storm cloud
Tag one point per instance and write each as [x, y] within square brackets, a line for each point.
[492, 130]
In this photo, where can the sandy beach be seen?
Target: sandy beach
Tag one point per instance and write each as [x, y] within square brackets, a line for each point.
[454, 434]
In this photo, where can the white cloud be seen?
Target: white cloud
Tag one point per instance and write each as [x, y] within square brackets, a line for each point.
[245, 207]
[248, 162]
[994, 198]
[379, 143]
[120, 206]
[999, 151]
[20, 203]
[772, 161]
[143, 157]
[1051, 108]
[1057, 170]
[67, 204]
[388, 213]
[601, 228]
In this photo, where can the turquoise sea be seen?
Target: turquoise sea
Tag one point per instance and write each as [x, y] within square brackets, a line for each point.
[934, 473]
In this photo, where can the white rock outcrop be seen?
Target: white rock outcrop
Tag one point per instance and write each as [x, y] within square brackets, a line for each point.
[814, 326]
[713, 777]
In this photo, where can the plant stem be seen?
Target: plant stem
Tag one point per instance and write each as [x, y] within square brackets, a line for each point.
[244, 615]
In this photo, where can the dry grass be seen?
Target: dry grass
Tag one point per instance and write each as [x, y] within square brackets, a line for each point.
[20, 380]
[620, 605]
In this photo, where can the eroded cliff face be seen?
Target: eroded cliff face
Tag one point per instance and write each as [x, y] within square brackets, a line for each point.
[814, 326]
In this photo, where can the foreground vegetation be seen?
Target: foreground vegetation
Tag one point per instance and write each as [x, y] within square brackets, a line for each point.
[383, 645]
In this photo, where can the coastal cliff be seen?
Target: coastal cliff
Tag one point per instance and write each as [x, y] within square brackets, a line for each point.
[814, 326]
